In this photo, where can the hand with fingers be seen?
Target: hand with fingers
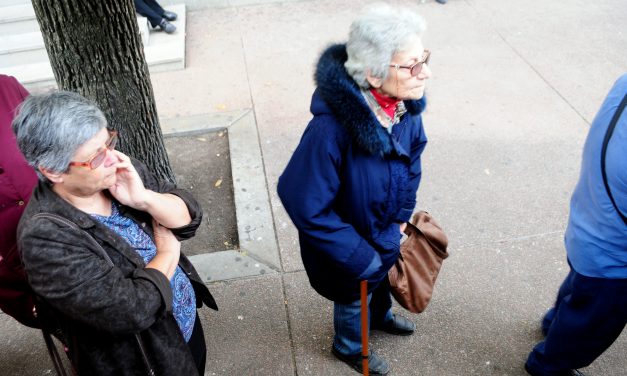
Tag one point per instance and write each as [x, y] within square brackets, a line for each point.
[128, 188]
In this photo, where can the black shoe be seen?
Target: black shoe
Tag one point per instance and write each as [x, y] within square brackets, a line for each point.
[166, 26]
[572, 372]
[376, 364]
[170, 16]
[399, 325]
[441, 1]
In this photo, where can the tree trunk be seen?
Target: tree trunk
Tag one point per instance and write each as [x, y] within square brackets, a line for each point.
[95, 49]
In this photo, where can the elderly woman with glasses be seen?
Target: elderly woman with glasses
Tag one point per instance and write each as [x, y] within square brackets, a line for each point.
[99, 241]
[350, 185]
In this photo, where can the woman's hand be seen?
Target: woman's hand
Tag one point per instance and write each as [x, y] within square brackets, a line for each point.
[403, 226]
[128, 189]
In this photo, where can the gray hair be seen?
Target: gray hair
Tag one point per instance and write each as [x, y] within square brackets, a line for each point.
[375, 36]
[50, 128]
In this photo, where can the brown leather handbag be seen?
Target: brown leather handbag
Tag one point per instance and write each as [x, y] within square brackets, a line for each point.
[413, 275]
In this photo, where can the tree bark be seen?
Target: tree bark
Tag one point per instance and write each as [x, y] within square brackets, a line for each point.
[95, 49]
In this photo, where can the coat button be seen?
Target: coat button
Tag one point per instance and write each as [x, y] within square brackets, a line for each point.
[1, 170]
[20, 203]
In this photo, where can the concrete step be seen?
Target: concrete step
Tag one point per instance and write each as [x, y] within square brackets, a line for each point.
[17, 19]
[32, 75]
[164, 52]
[6, 3]
[19, 49]
[27, 48]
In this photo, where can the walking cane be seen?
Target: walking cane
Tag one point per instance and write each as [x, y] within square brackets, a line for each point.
[364, 326]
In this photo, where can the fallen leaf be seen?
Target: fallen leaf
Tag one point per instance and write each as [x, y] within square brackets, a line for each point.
[201, 139]
[221, 106]
[218, 183]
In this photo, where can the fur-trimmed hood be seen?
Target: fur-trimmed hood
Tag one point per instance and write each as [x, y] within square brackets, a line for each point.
[342, 97]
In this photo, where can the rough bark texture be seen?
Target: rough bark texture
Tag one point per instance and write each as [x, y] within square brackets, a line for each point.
[95, 49]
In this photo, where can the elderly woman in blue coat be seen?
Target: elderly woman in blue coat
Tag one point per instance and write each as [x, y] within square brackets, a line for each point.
[350, 185]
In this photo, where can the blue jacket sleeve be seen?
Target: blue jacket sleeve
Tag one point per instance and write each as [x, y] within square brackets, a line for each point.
[418, 143]
[308, 188]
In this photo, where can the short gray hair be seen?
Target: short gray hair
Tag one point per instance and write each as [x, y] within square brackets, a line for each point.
[374, 38]
[50, 128]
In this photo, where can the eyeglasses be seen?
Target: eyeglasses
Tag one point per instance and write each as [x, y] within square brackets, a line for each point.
[97, 159]
[415, 69]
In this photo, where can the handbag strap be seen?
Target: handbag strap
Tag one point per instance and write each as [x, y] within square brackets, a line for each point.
[606, 140]
[53, 351]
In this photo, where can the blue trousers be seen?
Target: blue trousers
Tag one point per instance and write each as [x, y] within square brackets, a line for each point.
[347, 318]
[589, 314]
[151, 10]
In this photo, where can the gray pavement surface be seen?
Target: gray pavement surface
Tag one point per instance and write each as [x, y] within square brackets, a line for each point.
[515, 87]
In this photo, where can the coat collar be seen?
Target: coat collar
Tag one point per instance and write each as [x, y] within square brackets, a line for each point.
[344, 99]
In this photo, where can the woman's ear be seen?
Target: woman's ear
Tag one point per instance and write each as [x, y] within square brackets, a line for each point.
[55, 177]
[375, 82]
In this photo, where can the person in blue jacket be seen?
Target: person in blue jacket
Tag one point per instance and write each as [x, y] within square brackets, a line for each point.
[351, 184]
[591, 307]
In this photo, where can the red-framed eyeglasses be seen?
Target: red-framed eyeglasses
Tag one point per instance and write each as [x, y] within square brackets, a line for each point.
[96, 160]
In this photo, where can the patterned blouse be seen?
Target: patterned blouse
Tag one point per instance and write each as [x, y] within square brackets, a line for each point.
[184, 298]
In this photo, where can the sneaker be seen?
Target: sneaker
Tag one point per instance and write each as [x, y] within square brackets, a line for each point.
[170, 16]
[376, 364]
[166, 26]
[399, 326]
[441, 1]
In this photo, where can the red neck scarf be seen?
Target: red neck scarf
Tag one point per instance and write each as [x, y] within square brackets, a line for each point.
[388, 104]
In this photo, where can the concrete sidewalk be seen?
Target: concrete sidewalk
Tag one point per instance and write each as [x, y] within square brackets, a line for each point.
[515, 87]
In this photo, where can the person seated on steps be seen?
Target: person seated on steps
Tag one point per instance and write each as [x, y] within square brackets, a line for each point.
[157, 16]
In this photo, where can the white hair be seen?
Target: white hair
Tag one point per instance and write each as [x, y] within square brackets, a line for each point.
[375, 36]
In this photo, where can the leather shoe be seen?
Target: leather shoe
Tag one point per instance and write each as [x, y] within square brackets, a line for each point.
[170, 16]
[399, 325]
[166, 26]
[571, 372]
[376, 364]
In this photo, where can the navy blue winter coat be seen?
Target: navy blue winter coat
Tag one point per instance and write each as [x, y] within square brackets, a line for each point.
[342, 188]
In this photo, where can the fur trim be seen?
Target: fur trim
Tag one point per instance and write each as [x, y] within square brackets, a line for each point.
[343, 96]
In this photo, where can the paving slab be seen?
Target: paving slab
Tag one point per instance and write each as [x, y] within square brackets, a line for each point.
[575, 45]
[215, 78]
[23, 351]
[249, 335]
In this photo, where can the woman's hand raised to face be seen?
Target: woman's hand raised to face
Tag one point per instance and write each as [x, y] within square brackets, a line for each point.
[128, 189]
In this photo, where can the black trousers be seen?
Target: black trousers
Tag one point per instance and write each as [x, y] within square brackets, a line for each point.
[198, 347]
[151, 10]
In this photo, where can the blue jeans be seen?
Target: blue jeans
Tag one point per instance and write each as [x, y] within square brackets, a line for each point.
[347, 318]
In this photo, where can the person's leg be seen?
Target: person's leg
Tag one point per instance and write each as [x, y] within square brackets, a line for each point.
[347, 325]
[347, 340]
[155, 6]
[145, 10]
[586, 322]
[565, 289]
[381, 305]
[198, 347]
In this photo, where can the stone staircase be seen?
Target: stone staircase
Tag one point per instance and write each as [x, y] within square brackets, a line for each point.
[23, 54]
